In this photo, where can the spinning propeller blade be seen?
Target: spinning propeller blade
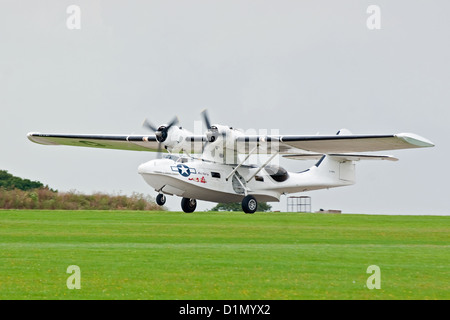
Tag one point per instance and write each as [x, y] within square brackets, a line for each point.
[206, 119]
[148, 125]
[212, 133]
[161, 132]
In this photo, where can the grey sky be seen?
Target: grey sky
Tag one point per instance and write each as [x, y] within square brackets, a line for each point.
[301, 67]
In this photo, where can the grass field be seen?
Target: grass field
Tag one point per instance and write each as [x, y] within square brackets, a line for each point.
[171, 255]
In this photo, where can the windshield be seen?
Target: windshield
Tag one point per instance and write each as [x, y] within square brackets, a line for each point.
[171, 157]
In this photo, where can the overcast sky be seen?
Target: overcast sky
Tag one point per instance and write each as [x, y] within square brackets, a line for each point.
[301, 67]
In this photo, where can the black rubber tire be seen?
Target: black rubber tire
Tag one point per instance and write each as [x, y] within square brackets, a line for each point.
[160, 199]
[249, 204]
[188, 205]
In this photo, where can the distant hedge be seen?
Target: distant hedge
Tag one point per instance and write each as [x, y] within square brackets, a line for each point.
[47, 199]
[18, 193]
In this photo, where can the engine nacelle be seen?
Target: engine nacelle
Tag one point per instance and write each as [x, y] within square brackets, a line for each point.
[179, 140]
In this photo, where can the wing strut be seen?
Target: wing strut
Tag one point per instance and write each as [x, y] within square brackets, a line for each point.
[241, 163]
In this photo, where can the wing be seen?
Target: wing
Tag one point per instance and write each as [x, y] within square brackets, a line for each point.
[304, 146]
[121, 142]
[335, 144]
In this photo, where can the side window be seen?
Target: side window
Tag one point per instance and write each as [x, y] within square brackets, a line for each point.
[215, 174]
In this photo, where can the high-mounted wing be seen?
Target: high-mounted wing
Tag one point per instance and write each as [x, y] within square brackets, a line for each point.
[182, 142]
[322, 144]
[306, 147]
[121, 142]
[356, 143]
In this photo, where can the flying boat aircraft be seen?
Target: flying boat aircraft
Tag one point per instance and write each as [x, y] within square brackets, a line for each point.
[214, 166]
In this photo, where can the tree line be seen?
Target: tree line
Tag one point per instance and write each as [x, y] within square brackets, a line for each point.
[10, 182]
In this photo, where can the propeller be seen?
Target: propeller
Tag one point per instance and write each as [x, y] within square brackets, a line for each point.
[161, 132]
[212, 133]
[206, 119]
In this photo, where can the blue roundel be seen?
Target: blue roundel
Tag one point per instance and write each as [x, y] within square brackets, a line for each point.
[184, 170]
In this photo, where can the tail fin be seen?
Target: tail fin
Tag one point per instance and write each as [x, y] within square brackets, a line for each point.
[338, 170]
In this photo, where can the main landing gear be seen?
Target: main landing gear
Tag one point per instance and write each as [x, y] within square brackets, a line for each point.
[188, 205]
[249, 204]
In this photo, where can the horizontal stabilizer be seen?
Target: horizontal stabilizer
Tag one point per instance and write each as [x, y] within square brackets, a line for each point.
[341, 156]
[303, 156]
[358, 157]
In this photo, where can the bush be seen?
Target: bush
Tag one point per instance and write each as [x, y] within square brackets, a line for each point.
[45, 198]
[18, 193]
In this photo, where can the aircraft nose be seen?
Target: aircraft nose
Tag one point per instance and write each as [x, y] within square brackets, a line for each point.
[143, 168]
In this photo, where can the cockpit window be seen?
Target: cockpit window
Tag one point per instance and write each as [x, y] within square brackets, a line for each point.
[175, 158]
[277, 173]
[171, 157]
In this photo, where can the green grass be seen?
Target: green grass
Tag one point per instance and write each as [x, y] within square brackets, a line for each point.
[171, 255]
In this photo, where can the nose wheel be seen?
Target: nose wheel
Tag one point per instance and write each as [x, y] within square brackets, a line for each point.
[160, 199]
[188, 205]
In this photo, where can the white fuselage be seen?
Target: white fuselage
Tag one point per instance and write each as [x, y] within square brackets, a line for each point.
[204, 180]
